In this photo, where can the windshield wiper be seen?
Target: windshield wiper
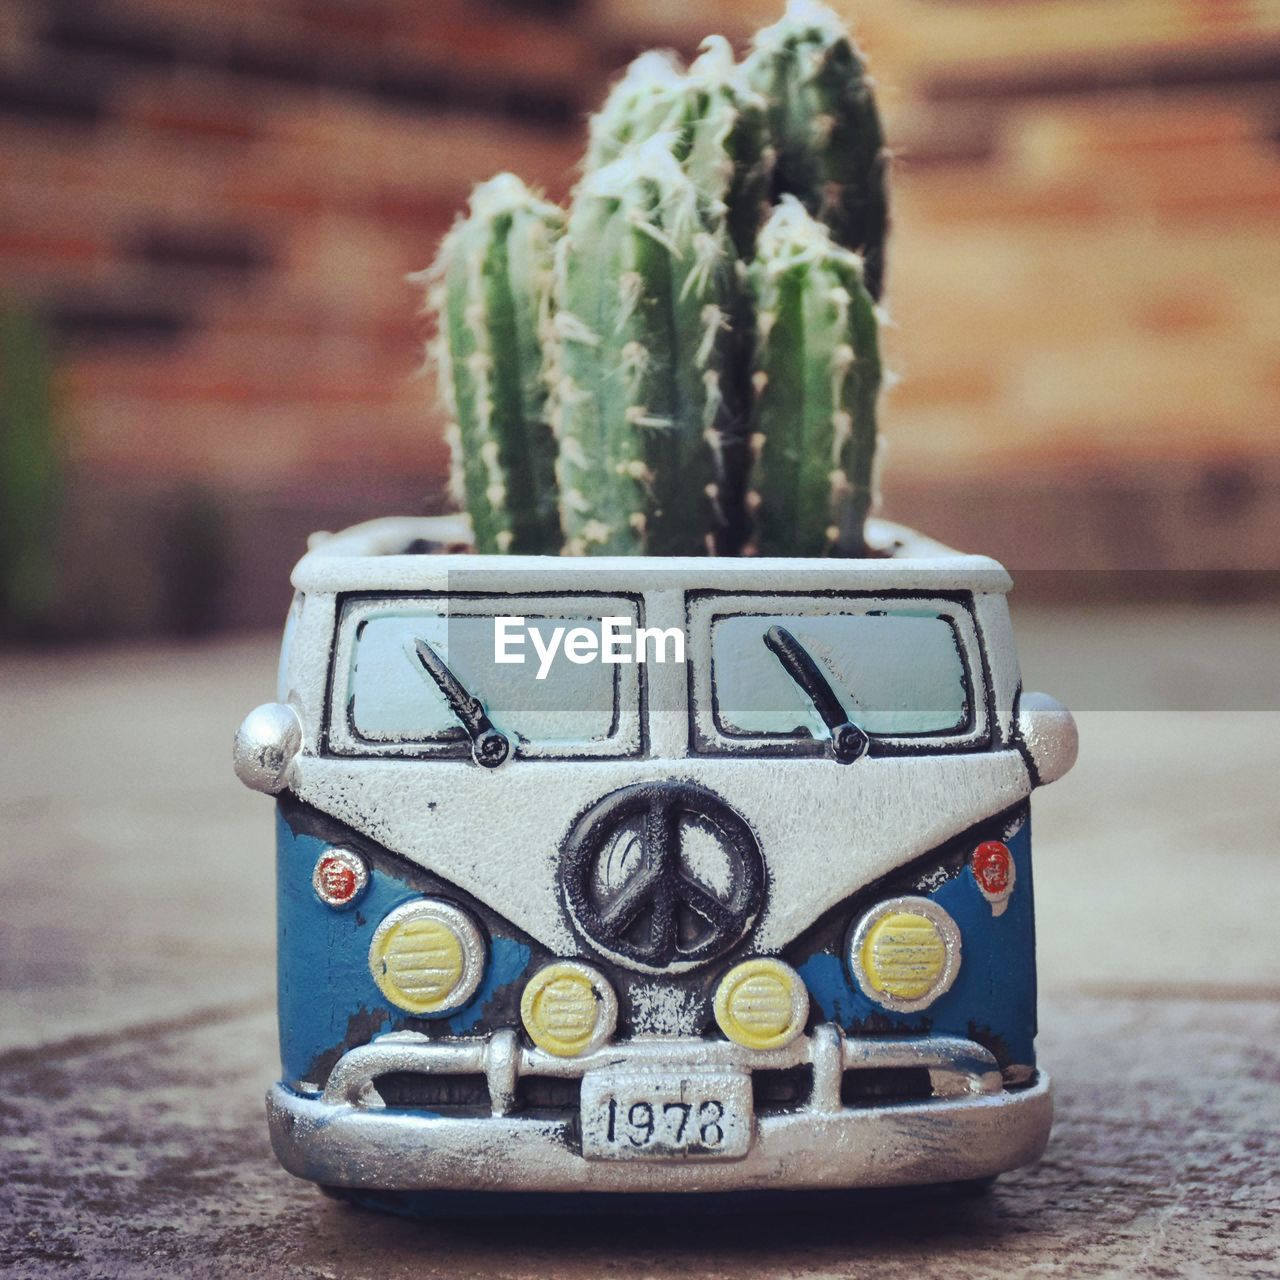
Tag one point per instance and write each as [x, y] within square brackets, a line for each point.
[848, 741]
[489, 746]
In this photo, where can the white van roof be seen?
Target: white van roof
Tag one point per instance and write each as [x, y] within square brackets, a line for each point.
[399, 554]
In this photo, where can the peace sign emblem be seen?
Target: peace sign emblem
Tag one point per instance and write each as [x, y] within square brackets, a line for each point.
[662, 876]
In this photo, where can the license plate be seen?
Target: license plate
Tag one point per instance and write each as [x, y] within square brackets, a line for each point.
[629, 1116]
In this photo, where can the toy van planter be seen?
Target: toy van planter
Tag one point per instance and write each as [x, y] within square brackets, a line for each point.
[754, 912]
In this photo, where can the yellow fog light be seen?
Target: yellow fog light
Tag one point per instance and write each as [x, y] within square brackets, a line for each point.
[905, 953]
[427, 956]
[568, 1009]
[761, 1004]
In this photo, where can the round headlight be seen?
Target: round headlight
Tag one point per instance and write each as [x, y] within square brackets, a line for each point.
[427, 956]
[905, 953]
[568, 1009]
[761, 1004]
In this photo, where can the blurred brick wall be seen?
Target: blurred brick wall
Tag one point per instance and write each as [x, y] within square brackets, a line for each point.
[215, 207]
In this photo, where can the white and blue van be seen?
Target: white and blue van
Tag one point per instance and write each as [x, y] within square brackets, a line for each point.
[652, 875]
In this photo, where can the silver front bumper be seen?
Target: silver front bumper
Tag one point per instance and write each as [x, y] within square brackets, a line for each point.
[970, 1128]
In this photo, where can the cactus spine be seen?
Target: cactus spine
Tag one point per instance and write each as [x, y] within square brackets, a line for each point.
[492, 295]
[817, 374]
[830, 147]
[644, 288]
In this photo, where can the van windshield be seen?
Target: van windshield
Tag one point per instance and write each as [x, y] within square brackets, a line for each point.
[901, 670]
[386, 703]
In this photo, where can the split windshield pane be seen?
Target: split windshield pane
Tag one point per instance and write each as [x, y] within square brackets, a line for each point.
[896, 674]
[392, 698]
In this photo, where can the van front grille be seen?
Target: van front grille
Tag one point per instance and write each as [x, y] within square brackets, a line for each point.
[775, 1091]
[883, 1086]
[455, 1095]
[550, 1097]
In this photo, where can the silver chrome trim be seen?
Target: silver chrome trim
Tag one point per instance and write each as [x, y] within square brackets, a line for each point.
[972, 1128]
[1048, 734]
[267, 742]
[957, 1068]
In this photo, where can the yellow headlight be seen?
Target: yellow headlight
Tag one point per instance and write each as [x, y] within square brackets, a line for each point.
[568, 1009]
[905, 953]
[761, 1004]
[427, 956]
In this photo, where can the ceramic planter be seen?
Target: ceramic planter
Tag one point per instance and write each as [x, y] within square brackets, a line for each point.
[753, 912]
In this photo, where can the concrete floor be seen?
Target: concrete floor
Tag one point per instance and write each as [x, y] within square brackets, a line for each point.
[137, 1036]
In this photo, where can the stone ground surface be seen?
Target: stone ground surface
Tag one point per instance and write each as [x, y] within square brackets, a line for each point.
[136, 1034]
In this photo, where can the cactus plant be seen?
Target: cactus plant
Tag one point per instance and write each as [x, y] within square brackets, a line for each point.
[644, 287]
[826, 130]
[492, 295]
[627, 382]
[817, 375]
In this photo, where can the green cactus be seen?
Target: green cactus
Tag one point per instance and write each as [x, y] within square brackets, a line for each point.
[720, 132]
[830, 149]
[724, 142]
[725, 150]
[644, 288]
[492, 295]
[817, 374]
[643, 102]
[630, 354]
[717, 133]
